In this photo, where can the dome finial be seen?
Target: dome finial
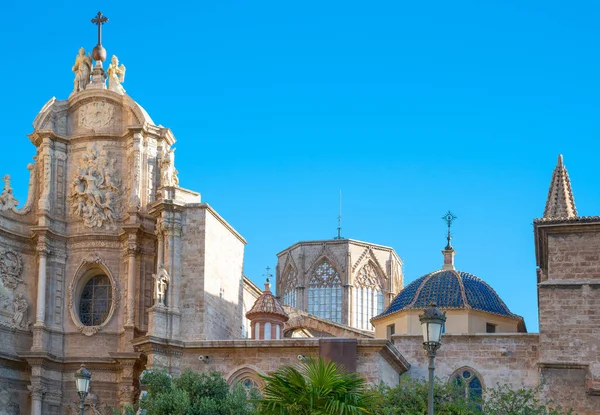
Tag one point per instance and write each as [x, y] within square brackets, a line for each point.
[268, 282]
[448, 251]
[449, 217]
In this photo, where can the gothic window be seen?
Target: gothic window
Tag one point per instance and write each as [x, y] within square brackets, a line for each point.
[325, 293]
[467, 380]
[368, 297]
[95, 301]
[249, 385]
[289, 282]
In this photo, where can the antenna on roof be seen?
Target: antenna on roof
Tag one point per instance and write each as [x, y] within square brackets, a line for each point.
[339, 228]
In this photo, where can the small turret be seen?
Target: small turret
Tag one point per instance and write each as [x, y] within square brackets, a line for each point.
[267, 316]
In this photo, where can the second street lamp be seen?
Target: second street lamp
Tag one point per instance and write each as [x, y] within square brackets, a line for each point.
[432, 324]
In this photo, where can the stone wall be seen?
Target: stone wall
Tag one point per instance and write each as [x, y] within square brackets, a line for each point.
[509, 358]
[574, 256]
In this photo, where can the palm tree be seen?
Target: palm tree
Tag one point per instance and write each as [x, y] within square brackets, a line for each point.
[316, 387]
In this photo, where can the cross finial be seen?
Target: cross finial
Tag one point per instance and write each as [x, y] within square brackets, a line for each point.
[268, 275]
[339, 228]
[99, 52]
[449, 217]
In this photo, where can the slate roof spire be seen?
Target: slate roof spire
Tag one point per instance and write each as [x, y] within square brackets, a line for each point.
[560, 203]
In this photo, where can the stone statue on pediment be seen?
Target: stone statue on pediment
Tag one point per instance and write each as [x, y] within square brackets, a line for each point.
[116, 75]
[7, 199]
[83, 70]
[169, 173]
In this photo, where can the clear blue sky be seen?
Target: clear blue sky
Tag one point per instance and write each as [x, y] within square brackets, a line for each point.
[411, 108]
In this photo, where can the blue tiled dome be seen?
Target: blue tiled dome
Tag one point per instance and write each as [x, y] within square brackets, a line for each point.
[449, 289]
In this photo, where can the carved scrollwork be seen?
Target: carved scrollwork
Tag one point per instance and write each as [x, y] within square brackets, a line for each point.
[95, 191]
[11, 268]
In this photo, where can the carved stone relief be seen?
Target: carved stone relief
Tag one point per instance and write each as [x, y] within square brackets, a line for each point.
[7, 405]
[95, 191]
[96, 115]
[11, 268]
[91, 405]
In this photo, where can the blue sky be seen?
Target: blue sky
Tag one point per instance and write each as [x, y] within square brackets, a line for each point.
[411, 108]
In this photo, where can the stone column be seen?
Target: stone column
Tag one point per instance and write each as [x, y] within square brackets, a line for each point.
[160, 249]
[131, 253]
[37, 394]
[40, 316]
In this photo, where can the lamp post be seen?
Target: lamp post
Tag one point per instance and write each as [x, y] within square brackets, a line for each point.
[432, 323]
[82, 380]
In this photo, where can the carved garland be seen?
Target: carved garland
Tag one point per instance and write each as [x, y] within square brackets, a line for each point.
[92, 261]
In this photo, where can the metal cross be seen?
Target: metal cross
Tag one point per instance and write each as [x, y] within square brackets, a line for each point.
[449, 217]
[268, 273]
[99, 20]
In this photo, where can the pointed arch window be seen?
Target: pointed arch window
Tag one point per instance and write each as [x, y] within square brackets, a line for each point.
[469, 381]
[368, 297]
[325, 293]
[289, 282]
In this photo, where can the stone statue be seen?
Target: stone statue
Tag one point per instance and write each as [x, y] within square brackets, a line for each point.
[162, 282]
[20, 306]
[169, 173]
[116, 75]
[82, 69]
[7, 199]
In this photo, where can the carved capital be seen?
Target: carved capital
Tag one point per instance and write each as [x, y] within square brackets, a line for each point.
[132, 250]
[37, 392]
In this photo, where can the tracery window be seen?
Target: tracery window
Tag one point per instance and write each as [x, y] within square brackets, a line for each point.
[468, 380]
[289, 281]
[95, 301]
[325, 293]
[368, 297]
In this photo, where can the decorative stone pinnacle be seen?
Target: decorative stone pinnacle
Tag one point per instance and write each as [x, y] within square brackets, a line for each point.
[560, 202]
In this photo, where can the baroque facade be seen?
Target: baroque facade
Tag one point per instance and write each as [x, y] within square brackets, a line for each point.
[111, 262]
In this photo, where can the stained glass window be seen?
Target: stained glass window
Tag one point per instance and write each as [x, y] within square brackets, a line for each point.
[368, 297]
[325, 293]
[470, 382]
[95, 301]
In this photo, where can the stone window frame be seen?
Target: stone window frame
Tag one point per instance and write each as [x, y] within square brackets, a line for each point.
[289, 282]
[89, 268]
[245, 373]
[458, 373]
[368, 289]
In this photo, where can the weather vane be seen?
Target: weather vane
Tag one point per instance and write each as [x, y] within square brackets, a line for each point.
[339, 228]
[449, 217]
[268, 273]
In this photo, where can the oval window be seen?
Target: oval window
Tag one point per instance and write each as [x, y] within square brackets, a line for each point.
[95, 301]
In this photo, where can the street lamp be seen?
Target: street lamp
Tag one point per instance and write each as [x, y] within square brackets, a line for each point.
[82, 380]
[432, 323]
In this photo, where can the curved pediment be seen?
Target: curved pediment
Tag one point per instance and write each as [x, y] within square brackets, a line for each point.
[91, 112]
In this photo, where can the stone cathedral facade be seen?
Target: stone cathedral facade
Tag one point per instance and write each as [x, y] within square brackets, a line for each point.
[111, 262]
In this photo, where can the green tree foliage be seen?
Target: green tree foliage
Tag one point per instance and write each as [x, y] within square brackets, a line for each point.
[410, 398]
[193, 394]
[316, 387]
[506, 401]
